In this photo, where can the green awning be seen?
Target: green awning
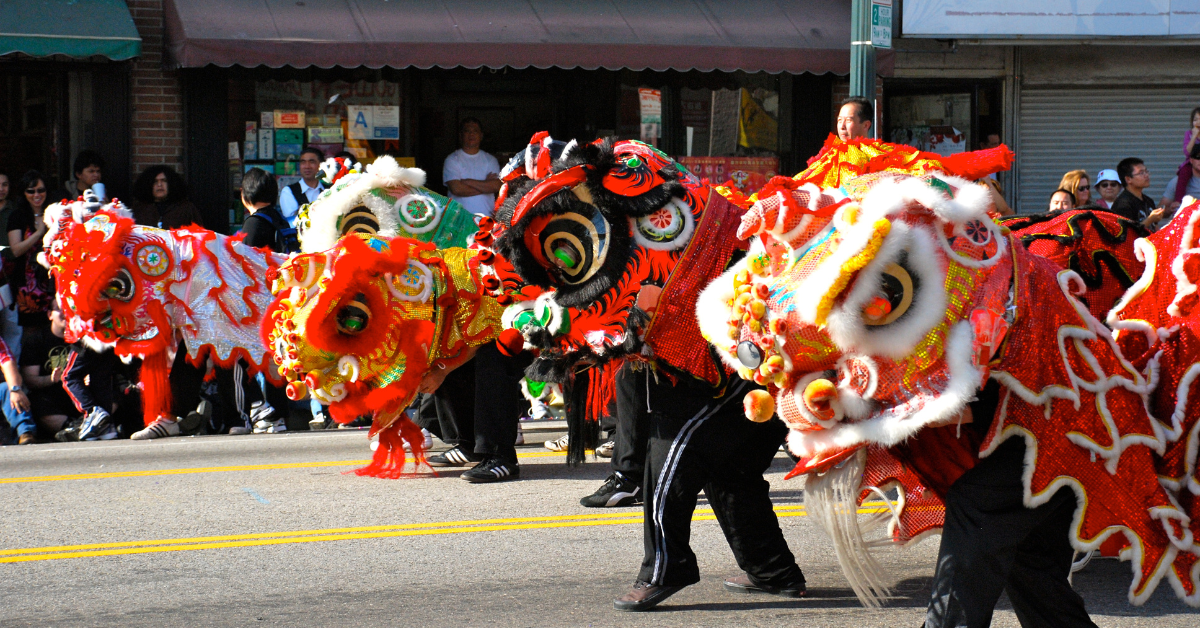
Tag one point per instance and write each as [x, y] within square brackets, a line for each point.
[74, 28]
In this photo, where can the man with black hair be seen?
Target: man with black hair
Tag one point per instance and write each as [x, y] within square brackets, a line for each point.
[261, 228]
[472, 175]
[855, 119]
[88, 168]
[1132, 203]
[307, 188]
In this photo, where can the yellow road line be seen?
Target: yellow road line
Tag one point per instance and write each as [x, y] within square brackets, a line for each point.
[185, 471]
[344, 534]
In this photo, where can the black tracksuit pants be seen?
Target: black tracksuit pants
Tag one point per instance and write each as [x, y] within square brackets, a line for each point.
[100, 369]
[480, 403]
[992, 543]
[698, 442]
[632, 424]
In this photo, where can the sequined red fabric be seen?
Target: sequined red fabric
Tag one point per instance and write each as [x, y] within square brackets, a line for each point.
[1096, 244]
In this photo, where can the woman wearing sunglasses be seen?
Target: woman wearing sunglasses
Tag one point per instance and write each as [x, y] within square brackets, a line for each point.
[31, 282]
[1108, 187]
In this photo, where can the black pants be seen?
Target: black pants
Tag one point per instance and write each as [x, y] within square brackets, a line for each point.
[100, 369]
[993, 543]
[186, 382]
[238, 392]
[632, 425]
[698, 442]
[480, 403]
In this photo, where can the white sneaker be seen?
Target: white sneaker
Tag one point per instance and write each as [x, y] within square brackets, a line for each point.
[605, 449]
[267, 426]
[160, 428]
[520, 435]
[424, 432]
[317, 423]
[557, 445]
[238, 431]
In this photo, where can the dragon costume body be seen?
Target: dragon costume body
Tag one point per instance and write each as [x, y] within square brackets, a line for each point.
[877, 312]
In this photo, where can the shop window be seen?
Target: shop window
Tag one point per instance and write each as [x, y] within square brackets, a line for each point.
[943, 117]
[730, 135]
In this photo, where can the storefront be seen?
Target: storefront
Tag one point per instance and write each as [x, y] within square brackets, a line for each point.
[64, 86]
[732, 97]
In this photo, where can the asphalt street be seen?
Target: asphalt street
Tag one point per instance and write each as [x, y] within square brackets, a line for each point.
[271, 530]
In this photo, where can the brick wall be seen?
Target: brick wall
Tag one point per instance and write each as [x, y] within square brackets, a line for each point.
[157, 124]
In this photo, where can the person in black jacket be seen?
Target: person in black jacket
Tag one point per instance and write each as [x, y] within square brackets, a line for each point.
[259, 192]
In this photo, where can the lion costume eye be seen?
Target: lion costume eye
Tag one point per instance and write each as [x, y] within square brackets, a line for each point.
[892, 300]
[120, 287]
[353, 317]
[574, 245]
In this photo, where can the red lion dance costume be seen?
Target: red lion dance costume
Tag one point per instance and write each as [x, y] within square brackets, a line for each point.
[909, 341]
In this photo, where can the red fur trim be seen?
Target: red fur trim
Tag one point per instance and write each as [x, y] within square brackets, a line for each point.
[602, 388]
[980, 163]
[156, 387]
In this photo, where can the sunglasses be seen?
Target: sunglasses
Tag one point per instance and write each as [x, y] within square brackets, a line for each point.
[1108, 184]
[36, 191]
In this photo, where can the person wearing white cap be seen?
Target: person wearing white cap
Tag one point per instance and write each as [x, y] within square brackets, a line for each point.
[1108, 186]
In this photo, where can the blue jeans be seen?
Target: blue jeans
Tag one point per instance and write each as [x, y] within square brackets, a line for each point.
[21, 422]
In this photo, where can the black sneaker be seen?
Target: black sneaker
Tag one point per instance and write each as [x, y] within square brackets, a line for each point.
[617, 491]
[492, 470]
[456, 457]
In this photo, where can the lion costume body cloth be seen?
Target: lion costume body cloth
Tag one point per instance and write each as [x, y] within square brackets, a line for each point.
[876, 312]
[133, 288]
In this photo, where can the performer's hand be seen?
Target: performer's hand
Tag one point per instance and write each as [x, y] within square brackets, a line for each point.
[56, 375]
[433, 380]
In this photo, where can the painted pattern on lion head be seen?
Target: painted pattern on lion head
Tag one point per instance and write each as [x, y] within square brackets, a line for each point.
[875, 324]
[612, 231]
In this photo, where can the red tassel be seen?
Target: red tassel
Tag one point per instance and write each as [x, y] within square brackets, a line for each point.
[156, 387]
[389, 460]
[602, 388]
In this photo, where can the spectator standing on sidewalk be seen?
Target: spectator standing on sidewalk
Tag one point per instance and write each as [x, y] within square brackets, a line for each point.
[1076, 182]
[160, 200]
[1061, 200]
[88, 169]
[1174, 193]
[1108, 187]
[306, 189]
[30, 281]
[472, 175]
[855, 119]
[1133, 203]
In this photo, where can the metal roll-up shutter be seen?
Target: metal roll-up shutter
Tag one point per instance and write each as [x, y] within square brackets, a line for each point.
[1067, 128]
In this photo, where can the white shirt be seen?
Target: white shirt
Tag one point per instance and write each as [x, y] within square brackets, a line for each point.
[459, 165]
[289, 205]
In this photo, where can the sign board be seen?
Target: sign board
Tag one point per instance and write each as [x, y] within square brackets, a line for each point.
[881, 23]
[289, 119]
[373, 122]
[1050, 19]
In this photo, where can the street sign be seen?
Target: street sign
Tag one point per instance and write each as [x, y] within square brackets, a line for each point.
[881, 23]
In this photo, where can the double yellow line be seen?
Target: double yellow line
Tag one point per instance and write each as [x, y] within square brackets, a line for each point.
[186, 471]
[368, 532]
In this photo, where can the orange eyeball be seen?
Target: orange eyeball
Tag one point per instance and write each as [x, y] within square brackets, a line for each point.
[296, 391]
[486, 224]
[504, 299]
[759, 378]
[754, 326]
[743, 299]
[759, 406]
[313, 379]
[486, 257]
[762, 291]
[758, 309]
[819, 396]
[778, 326]
[877, 309]
[484, 238]
[734, 334]
[773, 365]
[741, 278]
[491, 282]
[766, 342]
